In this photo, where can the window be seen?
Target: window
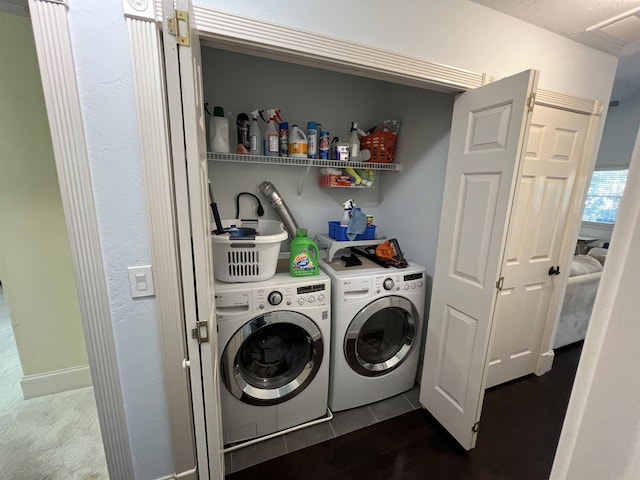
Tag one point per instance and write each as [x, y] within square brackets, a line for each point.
[603, 199]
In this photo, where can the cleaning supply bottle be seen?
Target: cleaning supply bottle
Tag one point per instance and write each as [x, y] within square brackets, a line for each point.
[346, 214]
[255, 137]
[354, 143]
[220, 134]
[272, 136]
[312, 140]
[303, 257]
[242, 124]
[283, 134]
[297, 143]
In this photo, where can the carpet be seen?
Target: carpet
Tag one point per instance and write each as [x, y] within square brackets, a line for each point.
[54, 437]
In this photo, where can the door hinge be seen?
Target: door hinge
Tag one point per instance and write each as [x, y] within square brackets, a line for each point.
[500, 283]
[531, 101]
[476, 427]
[201, 332]
[178, 26]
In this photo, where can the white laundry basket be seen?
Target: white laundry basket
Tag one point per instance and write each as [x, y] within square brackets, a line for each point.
[250, 258]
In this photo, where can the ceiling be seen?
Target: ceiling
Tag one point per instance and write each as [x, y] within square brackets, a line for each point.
[612, 26]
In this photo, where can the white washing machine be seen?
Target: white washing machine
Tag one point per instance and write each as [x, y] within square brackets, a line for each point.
[377, 317]
[274, 343]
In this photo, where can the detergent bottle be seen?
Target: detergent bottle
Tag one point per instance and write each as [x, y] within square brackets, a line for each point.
[297, 143]
[220, 131]
[303, 259]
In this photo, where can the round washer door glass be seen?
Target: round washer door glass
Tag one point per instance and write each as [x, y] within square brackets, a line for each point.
[381, 335]
[272, 358]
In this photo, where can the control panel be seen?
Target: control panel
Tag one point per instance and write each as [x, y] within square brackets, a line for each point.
[284, 297]
[398, 281]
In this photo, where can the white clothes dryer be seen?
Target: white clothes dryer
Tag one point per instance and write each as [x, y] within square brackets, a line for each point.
[274, 342]
[377, 320]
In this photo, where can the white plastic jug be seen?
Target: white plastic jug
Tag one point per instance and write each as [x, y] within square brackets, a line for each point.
[297, 143]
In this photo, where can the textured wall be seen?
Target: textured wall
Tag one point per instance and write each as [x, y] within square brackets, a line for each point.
[103, 67]
[35, 260]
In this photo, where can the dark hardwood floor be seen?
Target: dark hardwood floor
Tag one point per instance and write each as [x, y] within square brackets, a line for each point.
[519, 431]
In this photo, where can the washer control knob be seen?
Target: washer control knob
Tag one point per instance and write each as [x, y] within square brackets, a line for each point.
[387, 284]
[275, 298]
[419, 284]
[406, 286]
[288, 302]
[320, 297]
[261, 306]
[301, 301]
[413, 285]
[312, 299]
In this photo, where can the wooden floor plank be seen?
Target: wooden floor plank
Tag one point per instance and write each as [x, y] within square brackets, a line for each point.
[519, 431]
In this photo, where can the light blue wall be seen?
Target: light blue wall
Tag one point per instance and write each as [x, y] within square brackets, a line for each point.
[619, 133]
[103, 66]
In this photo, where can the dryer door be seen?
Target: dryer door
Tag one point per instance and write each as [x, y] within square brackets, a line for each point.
[272, 358]
[381, 335]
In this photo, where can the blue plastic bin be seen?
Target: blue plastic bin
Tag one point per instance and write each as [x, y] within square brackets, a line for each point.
[339, 233]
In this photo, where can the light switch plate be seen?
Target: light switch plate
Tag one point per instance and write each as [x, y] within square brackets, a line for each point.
[141, 281]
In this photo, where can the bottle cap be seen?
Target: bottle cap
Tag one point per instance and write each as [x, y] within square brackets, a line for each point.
[218, 111]
[301, 232]
[284, 125]
[312, 125]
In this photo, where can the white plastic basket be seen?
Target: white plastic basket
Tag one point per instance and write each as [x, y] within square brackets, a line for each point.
[251, 258]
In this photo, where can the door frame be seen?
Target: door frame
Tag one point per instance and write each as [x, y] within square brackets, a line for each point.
[227, 31]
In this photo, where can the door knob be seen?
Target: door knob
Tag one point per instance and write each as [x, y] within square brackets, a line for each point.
[554, 271]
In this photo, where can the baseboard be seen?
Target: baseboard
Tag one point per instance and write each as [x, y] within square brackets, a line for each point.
[545, 362]
[56, 381]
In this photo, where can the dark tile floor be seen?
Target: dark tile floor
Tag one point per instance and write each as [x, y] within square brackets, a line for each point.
[519, 431]
[341, 424]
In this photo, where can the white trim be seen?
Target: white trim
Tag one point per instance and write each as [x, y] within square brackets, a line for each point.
[568, 102]
[153, 128]
[55, 58]
[141, 9]
[56, 381]
[248, 35]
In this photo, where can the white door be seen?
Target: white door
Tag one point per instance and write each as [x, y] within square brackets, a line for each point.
[554, 152]
[488, 136]
[188, 142]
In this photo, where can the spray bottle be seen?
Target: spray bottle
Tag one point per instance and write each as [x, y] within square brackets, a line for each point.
[255, 137]
[346, 214]
[354, 143]
[272, 136]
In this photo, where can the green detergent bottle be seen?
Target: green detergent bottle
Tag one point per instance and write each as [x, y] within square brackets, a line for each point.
[303, 259]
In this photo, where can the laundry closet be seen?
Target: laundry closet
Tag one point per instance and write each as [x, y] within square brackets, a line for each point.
[431, 191]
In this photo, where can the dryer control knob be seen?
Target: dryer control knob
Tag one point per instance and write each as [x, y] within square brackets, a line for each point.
[387, 284]
[406, 286]
[419, 284]
[320, 297]
[275, 298]
[301, 301]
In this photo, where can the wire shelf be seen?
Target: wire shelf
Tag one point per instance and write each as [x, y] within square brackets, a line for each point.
[300, 162]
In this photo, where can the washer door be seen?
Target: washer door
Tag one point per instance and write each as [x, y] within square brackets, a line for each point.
[381, 335]
[272, 358]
